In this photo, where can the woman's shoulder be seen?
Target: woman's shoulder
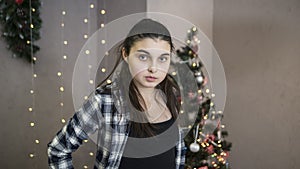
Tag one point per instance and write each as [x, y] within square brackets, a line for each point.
[104, 89]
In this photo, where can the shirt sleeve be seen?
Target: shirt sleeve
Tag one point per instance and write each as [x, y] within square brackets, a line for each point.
[84, 122]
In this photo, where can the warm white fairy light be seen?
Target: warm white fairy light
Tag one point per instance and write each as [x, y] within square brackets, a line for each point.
[102, 11]
[85, 97]
[103, 41]
[90, 66]
[85, 166]
[213, 95]
[91, 154]
[85, 20]
[34, 75]
[174, 73]
[108, 81]
[85, 141]
[87, 52]
[102, 25]
[103, 70]
[92, 6]
[85, 36]
[91, 81]
[60, 74]
[207, 91]
[37, 141]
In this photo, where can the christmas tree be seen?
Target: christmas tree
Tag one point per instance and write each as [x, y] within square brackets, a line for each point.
[21, 23]
[210, 150]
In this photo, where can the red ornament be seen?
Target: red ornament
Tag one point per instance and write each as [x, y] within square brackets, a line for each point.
[19, 2]
[210, 149]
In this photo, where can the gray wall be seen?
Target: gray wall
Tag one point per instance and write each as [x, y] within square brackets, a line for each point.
[258, 41]
[17, 138]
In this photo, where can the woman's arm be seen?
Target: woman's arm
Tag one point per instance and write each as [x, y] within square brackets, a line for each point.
[84, 122]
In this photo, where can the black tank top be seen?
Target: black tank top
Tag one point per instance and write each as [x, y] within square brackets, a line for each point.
[163, 160]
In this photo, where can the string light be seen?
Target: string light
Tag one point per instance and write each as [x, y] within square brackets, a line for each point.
[102, 11]
[34, 75]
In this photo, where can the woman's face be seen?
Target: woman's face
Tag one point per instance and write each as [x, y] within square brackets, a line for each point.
[149, 61]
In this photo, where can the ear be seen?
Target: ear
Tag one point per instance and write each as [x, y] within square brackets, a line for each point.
[124, 55]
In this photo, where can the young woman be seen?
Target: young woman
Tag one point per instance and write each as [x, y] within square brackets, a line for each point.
[140, 104]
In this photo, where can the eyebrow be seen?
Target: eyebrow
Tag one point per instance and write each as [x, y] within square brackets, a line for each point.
[144, 51]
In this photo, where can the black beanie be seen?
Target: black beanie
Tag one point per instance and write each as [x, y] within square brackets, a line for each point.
[148, 26]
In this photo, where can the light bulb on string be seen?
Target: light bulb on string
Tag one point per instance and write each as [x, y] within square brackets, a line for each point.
[102, 11]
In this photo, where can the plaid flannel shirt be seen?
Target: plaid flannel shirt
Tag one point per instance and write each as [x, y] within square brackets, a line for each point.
[99, 113]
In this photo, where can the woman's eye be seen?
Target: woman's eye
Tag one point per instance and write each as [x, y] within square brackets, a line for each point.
[143, 57]
[163, 59]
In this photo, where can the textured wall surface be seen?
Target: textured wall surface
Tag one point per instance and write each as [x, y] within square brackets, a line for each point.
[258, 41]
[17, 138]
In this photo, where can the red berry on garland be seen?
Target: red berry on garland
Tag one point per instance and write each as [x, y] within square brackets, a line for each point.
[19, 2]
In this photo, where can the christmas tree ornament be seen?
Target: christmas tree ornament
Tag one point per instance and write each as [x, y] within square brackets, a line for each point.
[19, 2]
[194, 147]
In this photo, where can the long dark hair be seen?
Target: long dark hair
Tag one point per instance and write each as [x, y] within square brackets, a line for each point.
[146, 28]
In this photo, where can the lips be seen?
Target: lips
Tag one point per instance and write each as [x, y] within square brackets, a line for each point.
[150, 78]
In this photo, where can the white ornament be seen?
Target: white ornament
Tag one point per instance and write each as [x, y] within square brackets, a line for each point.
[194, 147]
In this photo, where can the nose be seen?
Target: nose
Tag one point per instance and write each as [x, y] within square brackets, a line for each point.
[152, 68]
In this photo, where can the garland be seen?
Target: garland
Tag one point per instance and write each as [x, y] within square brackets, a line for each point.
[21, 25]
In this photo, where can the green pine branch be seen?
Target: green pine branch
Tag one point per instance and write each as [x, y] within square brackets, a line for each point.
[21, 27]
